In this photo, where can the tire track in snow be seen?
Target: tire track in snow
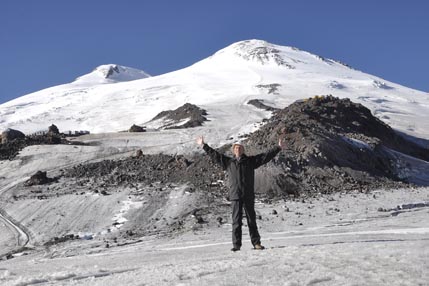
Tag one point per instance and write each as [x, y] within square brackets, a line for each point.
[22, 235]
[273, 236]
[72, 277]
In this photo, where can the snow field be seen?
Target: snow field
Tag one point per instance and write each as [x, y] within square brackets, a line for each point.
[339, 240]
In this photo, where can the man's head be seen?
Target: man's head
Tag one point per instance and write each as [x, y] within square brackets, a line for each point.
[237, 149]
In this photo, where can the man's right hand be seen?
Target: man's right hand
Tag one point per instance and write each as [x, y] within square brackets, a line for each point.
[200, 140]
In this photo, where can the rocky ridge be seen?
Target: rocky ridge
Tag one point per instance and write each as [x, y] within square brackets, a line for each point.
[185, 116]
[332, 145]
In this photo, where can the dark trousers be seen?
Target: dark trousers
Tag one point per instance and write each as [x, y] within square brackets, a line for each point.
[237, 216]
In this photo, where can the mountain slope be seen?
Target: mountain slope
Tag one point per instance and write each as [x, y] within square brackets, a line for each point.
[222, 85]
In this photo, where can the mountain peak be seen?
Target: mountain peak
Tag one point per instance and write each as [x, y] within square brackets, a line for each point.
[260, 51]
[265, 53]
[112, 73]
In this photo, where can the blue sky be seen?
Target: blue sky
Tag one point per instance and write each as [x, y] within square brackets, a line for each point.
[50, 42]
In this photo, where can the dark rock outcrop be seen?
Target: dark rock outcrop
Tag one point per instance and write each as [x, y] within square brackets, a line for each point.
[53, 129]
[270, 88]
[9, 150]
[11, 134]
[139, 153]
[61, 239]
[198, 172]
[192, 114]
[40, 178]
[136, 128]
[111, 71]
[259, 103]
[332, 145]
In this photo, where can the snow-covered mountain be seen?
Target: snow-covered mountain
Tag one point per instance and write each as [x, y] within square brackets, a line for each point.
[109, 217]
[112, 98]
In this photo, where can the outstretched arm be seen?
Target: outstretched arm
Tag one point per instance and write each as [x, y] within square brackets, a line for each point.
[218, 158]
[264, 158]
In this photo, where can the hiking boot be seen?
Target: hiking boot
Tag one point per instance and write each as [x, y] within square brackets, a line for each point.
[258, 247]
[235, 248]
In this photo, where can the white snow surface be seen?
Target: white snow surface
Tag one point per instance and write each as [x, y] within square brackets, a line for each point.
[377, 238]
[222, 84]
[340, 240]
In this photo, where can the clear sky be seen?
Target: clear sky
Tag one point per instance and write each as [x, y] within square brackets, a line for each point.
[49, 42]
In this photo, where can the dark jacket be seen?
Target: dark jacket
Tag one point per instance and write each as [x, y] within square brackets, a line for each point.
[241, 172]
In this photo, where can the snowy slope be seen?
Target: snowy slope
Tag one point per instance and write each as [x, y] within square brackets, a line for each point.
[221, 84]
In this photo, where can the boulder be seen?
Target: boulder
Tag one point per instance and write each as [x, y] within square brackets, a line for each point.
[139, 153]
[136, 128]
[11, 134]
[39, 178]
[53, 129]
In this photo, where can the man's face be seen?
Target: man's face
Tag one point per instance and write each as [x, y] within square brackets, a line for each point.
[238, 150]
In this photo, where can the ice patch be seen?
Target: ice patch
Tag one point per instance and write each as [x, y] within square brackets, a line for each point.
[356, 143]
[119, 218]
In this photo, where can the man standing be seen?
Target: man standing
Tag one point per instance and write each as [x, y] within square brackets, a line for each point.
[241, 172]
